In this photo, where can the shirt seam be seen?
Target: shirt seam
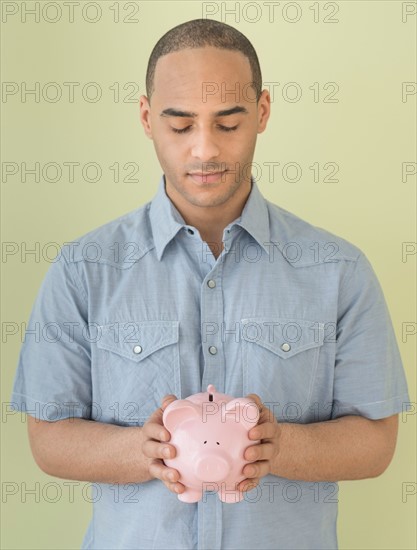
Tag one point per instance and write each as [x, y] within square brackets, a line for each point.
[75, 277]
[341, 296]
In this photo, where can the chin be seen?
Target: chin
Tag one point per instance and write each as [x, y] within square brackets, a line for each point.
[211, 201]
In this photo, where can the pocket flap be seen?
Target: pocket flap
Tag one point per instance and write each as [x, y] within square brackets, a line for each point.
[283, 336]
[136, 340]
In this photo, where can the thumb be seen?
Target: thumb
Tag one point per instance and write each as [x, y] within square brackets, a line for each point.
[254, 397]
[166, 400]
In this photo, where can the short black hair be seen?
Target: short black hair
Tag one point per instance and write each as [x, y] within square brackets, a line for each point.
[199, 33]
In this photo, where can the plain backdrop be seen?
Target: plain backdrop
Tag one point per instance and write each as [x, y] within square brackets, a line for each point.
[342, 129]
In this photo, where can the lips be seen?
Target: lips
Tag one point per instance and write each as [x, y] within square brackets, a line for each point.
[207, 177]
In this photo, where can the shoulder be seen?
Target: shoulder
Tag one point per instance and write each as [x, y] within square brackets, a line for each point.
[127, 237]
[303, 244]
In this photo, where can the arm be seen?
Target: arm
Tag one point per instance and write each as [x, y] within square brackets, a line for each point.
[76, 448]
[350, 447]
[85, 450]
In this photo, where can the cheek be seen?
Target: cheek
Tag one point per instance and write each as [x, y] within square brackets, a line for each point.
[165, 145]
[169, 142]
[171, 157]
[240, 151]
[242, 143]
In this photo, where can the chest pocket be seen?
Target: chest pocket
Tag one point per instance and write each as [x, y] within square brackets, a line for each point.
[279, 362]
[140, 360]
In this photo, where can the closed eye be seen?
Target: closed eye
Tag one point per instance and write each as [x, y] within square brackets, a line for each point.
[187, 128]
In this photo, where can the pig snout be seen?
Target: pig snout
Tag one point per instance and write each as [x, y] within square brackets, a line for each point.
[212, 467]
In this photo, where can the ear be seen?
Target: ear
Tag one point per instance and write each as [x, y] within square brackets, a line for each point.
[145, 115]
[241, 410]
[178, 411]
[264, 110]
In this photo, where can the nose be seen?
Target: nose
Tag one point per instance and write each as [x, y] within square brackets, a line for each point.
[212, 468]
[204, 148]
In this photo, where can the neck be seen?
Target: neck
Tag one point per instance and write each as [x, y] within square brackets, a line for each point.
[211, 220]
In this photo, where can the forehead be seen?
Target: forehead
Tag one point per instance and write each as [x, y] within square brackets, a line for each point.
[202, 76]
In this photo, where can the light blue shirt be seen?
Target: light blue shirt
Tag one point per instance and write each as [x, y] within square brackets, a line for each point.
[140, 308]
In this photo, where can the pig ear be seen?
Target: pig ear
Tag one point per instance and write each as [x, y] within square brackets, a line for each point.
[178, 411]
[243, 410]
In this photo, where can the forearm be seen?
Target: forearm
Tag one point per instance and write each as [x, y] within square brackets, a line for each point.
[351, 447]
[85, 450]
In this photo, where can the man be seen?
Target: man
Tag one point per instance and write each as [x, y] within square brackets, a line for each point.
[210, 283]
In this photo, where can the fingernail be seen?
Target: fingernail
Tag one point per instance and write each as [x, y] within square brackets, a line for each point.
[166, 452]
[171, 476]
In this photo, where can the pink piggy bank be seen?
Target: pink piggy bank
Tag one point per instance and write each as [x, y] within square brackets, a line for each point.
[209, 431]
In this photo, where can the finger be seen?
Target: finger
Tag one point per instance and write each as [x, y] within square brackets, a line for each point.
[176, 488]
[261, 451]
[169, 476]
[248, 484]
[160, 471]
[263, 430]
[257, 469]
[155, 449]
[154, 429]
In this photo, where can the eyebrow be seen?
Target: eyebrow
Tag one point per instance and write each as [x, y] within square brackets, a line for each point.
[186, 114]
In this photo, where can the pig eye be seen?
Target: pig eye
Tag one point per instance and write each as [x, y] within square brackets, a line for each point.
[217, 443]
[205, 442]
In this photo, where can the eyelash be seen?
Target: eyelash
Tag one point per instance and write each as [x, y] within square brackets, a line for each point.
[224, 129]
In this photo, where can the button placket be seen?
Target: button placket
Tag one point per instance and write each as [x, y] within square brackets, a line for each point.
[212, 316]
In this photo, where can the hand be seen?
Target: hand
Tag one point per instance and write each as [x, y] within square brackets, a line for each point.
[154, 433]
[264, 453]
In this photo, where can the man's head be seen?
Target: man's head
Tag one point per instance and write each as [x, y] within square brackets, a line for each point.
[200, 33]
[206, 109]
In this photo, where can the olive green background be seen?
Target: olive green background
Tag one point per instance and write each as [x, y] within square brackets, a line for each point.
[369, 133]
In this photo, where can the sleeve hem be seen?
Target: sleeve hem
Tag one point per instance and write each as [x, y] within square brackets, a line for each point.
[373, 411]
[50, 411]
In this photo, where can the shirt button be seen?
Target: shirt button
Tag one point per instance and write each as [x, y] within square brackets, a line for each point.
[190, 231]
[211, 283]
[285, 347]
[213, 350]
[137, 349]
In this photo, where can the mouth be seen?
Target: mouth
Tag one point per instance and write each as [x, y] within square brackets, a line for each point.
[207, 177]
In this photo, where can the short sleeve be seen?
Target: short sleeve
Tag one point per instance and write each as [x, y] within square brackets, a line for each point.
[369, 378]
[53, 376]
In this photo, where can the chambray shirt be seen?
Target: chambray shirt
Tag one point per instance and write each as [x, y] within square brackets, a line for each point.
[140, 308]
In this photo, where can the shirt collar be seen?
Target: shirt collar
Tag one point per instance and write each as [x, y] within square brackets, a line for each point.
[166, 220]
[255, 217]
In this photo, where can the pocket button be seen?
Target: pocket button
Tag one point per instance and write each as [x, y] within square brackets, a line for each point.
[285, 346]
[137, 349]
